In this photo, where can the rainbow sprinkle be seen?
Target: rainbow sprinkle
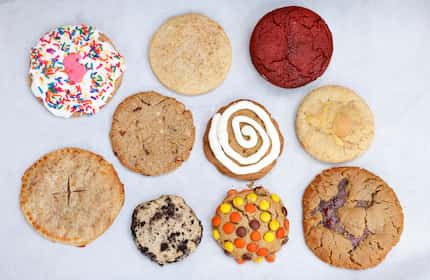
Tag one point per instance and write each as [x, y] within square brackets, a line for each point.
[103, 64]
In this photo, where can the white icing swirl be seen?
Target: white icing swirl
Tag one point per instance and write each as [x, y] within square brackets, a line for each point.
[247, 137]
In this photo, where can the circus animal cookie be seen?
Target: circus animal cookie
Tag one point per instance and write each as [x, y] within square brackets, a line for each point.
[334, 124]
[251, 225]
[351, 217]
[291, 46]
[242, 140]
[75, 70]
[71, 196]
[152, 134]
[190, 54]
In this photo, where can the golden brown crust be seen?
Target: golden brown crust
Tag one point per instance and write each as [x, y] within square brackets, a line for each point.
[211, 157]
[351, 217]
[71, 196]
[152, 134]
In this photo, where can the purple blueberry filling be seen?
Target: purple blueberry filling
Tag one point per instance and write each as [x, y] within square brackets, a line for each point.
[330, 219]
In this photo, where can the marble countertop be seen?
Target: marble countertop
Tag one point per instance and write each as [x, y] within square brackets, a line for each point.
[381, 51]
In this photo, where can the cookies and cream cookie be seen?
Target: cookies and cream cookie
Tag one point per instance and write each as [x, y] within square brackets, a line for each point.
[243, 140]
[334, 124]
[291, 46]
[152, 134]
[190, 54]
[71, 196]
[166, 229]
[75, 70]
[251, 224]
[351, 217]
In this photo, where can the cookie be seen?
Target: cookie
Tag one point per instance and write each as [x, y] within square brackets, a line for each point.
[291, 46]
[251, 225]
[166, 229]
[190, 54]
[71, 196]
[75, 70]
[352, 218]
[243, 141]
[152, 134]
[334, 124]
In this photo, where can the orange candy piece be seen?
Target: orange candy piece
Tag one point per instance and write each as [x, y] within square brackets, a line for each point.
[240, 261]
[250, 208]
[280, 233]
[270, 258]
[231, 192]
[228, 228]
[216, 221]
[252, 247]
[286, 224]
[235, 217]
[262, 252]
[239, 243]
[255, 236]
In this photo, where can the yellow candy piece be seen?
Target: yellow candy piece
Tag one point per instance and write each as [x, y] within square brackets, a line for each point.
[215, 234]
[228, 246]
[238, 201]
[258, 260]
[265, 217]
[275, 197]
[274, 225]
[225, 208]
[251, 197]
[264, 204]
[269, 236]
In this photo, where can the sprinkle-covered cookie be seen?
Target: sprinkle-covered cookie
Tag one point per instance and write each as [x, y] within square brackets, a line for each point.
[190, 54]
[75, 70]
[251, 225]
[152, 134]
[243, 141]
[291, 46]
[334, 124]
[71, 196]
[351, 217]
[166, 229]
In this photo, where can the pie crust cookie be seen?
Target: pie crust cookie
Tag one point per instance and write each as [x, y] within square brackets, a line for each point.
[334, 124]
[243, 141]
[166, 229]
[351, 218]
[291, 46]
[71, 196]
[251, 224]
[152, 134]
[75, 70]
[190, 54]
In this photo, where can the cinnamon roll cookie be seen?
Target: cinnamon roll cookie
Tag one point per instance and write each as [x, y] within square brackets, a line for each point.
[243, 141]
[352, 218]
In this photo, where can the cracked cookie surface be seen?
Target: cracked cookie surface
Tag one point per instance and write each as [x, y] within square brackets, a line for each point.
[251, 225]
[351, 217]
[334, 124]
[190, 54]
[71, 196]
[166, 229]
[291, 46]
[152, 134]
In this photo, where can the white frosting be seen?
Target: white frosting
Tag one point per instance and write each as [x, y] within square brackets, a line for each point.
[247, 137]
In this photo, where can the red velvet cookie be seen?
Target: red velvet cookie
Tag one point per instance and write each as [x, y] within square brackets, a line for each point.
[291, 46]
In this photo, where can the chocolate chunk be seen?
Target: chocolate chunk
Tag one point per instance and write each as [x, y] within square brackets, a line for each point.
[254, 224]
[241, 231]
[163, 247]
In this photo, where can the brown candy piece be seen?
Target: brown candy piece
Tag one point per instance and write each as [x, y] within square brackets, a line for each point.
[241, 231]
[254, 224]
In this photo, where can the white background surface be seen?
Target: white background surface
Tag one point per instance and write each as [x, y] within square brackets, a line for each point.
[382, 50]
